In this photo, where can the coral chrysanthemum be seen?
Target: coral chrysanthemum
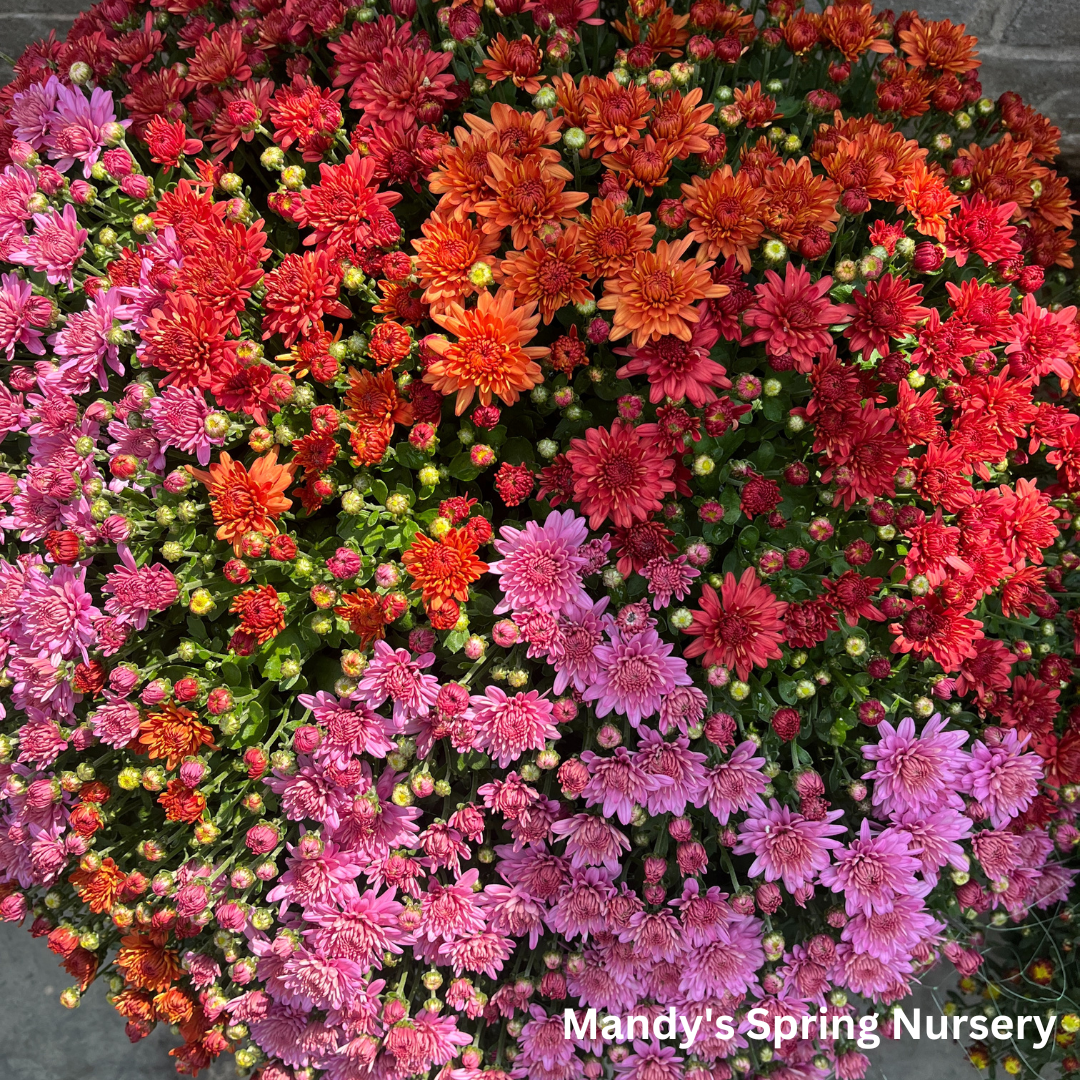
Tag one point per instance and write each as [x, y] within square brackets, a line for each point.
[657, 294]
[491, 356]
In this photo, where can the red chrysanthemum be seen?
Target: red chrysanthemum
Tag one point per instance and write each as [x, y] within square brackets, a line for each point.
[618, 475]
[741, 627]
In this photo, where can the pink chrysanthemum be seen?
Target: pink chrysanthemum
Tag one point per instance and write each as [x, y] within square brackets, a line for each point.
[541, 565]
[395, 675]
[873, 870]
[507, 727]
[786, 845]
[450, 911]
[137, 592]
[916, 772]
[55, 246]
[668, 578]
[179, 418]
[735, 785]
[634, 675]
[884, 935]
[1003, 777]
[21, 315]
[617, 782]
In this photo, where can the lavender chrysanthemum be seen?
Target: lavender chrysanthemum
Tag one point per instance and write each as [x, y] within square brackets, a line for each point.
[916, 772]
[873, 870]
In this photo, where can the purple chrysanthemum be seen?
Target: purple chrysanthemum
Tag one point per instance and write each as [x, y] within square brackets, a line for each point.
[634, 675]
[617, 782]
[675, 760]
[573, 649]
[786, 845]
[916, 772]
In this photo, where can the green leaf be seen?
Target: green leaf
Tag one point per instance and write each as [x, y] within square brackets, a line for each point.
[462, 468]
[409, 456]
[518, 451]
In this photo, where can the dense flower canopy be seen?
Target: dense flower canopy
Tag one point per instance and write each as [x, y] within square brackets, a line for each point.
[524, 506]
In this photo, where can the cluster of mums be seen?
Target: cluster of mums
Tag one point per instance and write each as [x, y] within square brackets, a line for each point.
[508, 507]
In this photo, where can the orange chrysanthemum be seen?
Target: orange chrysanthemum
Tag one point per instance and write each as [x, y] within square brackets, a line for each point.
[146, 963]
[490, 357]
[172, 733]
[898, 156]
[528, 194]
[942, 46]
[448, 250]
[571, 98]
[364, 614]
[181, 803]
[665, 35]
[680, 122]
[642, 164]
[855, 167]
[262, 614]
[549, 275]
[796, 201]
[463, 176]
[244, 500]
[756, 108]
[518, 134]
[1004, 171]
[401, 300]
[725, 211]
[373, 407]
[853, 28]
[99, 889]
[443, 569]
[656, 295]
[929, 201]
[615, 114]
[610, 238]
[518, 60]
[758, 160]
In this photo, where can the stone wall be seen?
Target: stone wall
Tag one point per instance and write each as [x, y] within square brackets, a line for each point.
[1031, 46]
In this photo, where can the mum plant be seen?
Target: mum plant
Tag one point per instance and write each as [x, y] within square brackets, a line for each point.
[512, 507]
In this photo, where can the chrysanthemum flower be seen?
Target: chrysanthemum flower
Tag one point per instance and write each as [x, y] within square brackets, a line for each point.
[739, 628]
[615, 114]
[886, 309]
[796, 201]
[928, 199]
[262, 614]
[618, 475]
[1003, 777]
[490, 357]
[657, 293]
[872, 871]
[679, 121]
[244, 500]
[786, 847]
[374, 407]
[399, 82]
[519, 60]
[443, 569]
[342, 205]
[299, 292]
[933, 629]
[678, 368]
[173, 733]
[528, 194]
[508, 727]
[725, 210]
[635, 675]
[145, 961]
[610, 238]
[940, 45]
[447, 251]
[551, 275]
[793, 315]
